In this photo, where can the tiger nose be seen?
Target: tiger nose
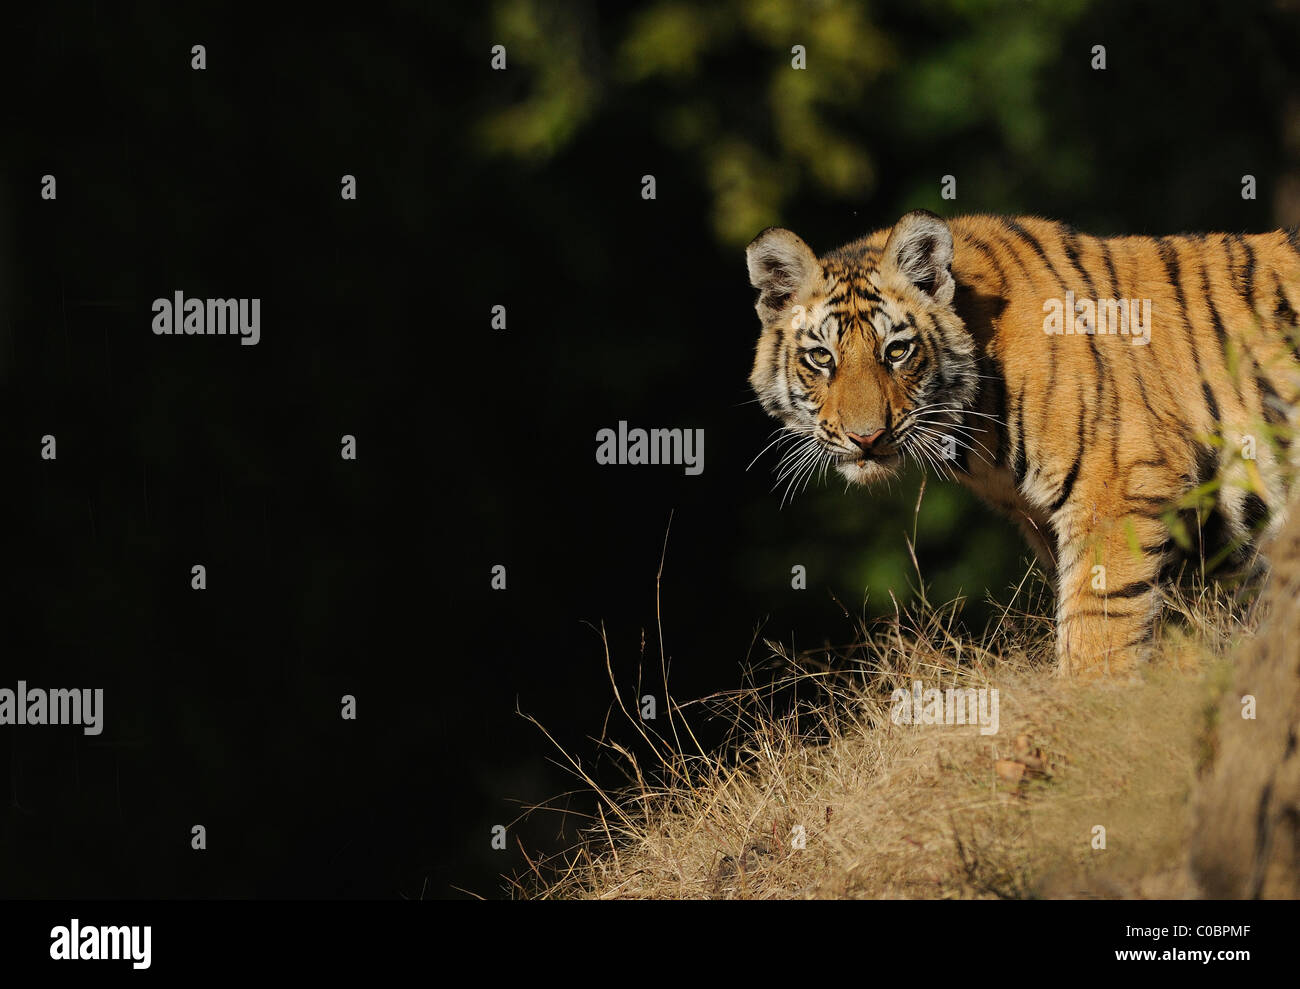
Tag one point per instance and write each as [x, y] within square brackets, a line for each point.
[865, 442]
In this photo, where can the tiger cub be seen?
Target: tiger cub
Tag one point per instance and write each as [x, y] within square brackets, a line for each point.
[1127, 400]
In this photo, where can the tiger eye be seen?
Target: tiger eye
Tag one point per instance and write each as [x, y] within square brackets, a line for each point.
[897, 350]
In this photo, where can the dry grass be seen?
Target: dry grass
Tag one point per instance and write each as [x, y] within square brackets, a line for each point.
[933, 811]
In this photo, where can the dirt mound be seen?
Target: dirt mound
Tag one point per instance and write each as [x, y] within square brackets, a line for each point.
[1246, 839]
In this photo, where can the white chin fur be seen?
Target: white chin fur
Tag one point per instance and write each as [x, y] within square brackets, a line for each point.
[868, 471]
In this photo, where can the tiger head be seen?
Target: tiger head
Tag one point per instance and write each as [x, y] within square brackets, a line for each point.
[862, 356]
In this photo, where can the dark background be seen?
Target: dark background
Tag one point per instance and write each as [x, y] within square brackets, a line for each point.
[477, 447]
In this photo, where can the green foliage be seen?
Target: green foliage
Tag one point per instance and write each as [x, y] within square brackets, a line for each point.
[762, 134]
[896, 94]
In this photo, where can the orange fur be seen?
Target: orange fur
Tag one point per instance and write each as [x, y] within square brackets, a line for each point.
[929, 338]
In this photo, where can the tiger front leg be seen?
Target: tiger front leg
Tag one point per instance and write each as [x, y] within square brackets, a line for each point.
[1107, 592]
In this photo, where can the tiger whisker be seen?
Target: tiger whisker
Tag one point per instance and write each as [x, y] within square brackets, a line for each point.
[794, 469]
[787, 433]
[808, 457]
[962, 441]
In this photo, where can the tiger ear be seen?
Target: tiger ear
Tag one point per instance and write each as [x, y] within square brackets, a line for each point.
[779, 263]
[920, 249]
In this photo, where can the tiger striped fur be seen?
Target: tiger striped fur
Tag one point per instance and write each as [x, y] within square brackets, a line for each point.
[930, 341]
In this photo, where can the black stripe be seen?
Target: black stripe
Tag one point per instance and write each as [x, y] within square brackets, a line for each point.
[1269, 401]
[1143, 513]
[1222, 334]
[1158, 549]
[1105, 376]
[1052, 353]
[1231, 244]
[1021, 467]
[1248, 274]
[997, 386]
[1282, 309]
[1147, 499]
[1146, 400]
[1207, 465]
[1269, 404]
[1068, 484]
[1015, 256]
[1254, 511]
[1034, 245]
[1170, 258]
[1070, 244]
[984, 248]
[1116, 291]
[1229, 260]
[1092, 612]
[1134, 590]
[1215, 320]
[1210, 403]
